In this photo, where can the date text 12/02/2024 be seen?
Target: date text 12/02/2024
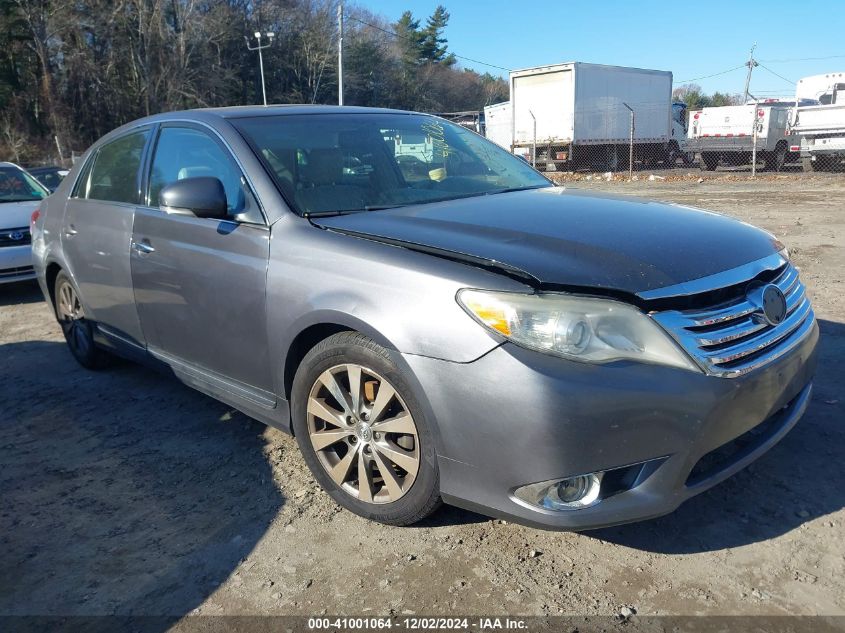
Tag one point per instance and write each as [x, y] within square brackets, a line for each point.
[417, 623]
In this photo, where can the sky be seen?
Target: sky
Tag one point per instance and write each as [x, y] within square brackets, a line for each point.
[693, 38]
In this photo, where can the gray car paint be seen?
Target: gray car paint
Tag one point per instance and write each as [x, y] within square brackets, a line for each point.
[503, 416]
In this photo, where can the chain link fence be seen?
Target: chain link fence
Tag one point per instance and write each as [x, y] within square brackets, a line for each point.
[621, 138]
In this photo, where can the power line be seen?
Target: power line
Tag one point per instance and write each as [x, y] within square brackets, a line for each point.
[802, 59]
[724, 72]
[396, 35]
[775, 74]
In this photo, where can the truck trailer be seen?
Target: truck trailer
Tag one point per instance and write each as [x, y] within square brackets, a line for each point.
[572, 115]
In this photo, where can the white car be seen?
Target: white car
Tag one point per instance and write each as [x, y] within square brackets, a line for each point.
[20, 196]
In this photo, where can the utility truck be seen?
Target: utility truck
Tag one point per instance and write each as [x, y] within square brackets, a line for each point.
[572, 115]
[729, 134]
[821, 128]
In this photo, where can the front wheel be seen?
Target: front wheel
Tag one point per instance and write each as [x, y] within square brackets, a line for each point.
[78, 331]
[362, 433]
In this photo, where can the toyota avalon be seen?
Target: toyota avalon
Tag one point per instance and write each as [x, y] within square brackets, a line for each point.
[431, 318]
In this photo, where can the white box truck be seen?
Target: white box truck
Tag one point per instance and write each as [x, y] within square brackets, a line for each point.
[727, 134]
[821, 128]
[576, 114]
[498, 124]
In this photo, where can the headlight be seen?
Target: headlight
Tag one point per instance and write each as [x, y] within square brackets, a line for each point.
[578, 328]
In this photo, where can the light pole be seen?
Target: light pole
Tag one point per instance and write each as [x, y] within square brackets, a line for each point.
[340, 53]
[260, 47]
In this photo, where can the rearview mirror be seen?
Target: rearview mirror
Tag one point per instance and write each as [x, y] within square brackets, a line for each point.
[203, 197]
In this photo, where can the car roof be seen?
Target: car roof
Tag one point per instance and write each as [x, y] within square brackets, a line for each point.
[232, 112]
[248, 111]
[212, 116]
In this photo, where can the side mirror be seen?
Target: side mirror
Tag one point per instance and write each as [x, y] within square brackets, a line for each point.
[203, 197]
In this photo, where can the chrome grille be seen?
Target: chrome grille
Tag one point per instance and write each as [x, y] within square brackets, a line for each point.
[731, 339]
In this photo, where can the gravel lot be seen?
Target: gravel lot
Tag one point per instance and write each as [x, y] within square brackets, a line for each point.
[126, 492]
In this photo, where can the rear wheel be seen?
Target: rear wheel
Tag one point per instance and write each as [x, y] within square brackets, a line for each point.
[78, 331]
[361, 432]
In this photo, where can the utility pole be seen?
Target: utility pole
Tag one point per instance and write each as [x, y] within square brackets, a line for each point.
[260, 47]
[751, 64]
[340, 53]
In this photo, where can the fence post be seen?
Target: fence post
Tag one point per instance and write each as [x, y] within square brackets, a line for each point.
[534, 142]
[754, 140]
[630, 144]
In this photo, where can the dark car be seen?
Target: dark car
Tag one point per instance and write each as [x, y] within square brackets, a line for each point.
[464, 331]
[50, 177]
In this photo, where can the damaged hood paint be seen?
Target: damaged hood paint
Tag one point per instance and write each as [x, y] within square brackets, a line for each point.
[565, 237]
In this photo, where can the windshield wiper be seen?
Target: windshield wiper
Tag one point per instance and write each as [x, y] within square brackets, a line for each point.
[426, 201]
[2, 200]
[510, 189]
[382, 207]
[329, 214]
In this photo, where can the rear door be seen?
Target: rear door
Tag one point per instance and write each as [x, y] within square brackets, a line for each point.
[200, 283]
[97, 228]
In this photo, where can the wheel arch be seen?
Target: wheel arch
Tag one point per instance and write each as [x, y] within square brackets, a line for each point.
[51, 272]
[321, 326]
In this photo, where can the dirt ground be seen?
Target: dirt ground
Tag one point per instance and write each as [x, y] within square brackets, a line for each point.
[124, 492]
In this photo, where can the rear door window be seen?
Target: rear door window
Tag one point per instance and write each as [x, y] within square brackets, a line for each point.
[114, 172]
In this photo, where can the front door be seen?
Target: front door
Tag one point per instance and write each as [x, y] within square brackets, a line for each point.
[200, 283]
[97, 228]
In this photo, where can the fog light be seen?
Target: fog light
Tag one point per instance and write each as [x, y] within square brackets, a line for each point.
[564, 494]
[575, 492]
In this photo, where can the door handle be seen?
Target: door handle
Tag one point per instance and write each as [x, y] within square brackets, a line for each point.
[70, 231]
[143, 247]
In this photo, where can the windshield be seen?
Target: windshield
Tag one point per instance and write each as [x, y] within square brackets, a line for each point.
[334, 163]
[18, 186]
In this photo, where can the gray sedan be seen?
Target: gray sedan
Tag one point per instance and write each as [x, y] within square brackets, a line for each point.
[431, 318]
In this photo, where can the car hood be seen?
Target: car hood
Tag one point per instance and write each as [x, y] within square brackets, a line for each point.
[16, 215]
[564, 237]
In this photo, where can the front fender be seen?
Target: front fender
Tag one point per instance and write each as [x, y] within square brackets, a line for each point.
[402, 299]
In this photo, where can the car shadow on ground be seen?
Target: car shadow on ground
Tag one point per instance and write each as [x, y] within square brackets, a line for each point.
[798, 480]
[145, 511]
[20, 292]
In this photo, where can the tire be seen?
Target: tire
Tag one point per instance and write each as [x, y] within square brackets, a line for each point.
[673, 153]
[709, 161]
[78, 331]
[354, 451]
[775, 160]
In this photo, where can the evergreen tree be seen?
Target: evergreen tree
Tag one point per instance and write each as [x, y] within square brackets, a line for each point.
[434, 48]
[410, 39]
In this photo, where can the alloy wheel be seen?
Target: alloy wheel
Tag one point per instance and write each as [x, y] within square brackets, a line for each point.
[72, 319]
[363, 434]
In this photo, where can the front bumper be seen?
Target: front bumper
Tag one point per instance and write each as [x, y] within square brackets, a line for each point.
[16, 264]
[515, 417]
